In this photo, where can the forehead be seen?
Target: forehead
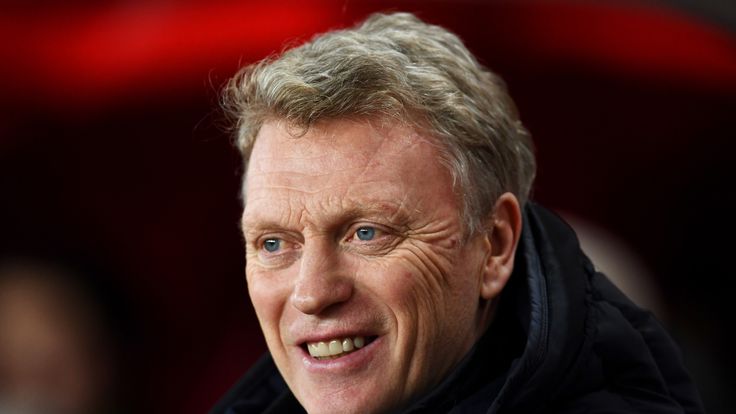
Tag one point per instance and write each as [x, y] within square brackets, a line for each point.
[344, 161]
[360, 142]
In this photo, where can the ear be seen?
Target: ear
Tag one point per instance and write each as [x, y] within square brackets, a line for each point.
[502, 237]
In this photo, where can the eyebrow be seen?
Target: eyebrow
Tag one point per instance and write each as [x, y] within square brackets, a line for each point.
[374, 208]
[395, 213]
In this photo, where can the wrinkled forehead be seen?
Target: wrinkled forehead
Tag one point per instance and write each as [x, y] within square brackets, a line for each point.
[336, 148]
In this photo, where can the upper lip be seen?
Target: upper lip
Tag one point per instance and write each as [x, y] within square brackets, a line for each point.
[327, 335]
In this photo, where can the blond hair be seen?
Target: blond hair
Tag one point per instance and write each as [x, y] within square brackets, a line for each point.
[396, 66]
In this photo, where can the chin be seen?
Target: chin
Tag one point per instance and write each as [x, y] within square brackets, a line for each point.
[373, 395]
[346, 404]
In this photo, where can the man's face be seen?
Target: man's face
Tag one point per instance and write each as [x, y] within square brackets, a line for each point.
[353, 234]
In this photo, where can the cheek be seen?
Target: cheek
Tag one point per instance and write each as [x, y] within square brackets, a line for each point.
[413, 297]
[437, 302]
[268, 295]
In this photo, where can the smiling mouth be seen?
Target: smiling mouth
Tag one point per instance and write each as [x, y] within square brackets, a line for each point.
[337, 348]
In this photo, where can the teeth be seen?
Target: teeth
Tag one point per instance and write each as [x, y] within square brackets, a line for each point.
[322, 348]
[359, 342]
[335, 347]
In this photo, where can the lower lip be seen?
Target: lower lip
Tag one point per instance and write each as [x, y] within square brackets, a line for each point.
[353, 361]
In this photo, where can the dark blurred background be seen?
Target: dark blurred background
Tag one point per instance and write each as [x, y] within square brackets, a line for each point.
[117, 169]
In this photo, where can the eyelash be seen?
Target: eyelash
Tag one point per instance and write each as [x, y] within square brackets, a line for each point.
[377, 241]
[375, 234]
[382, 241]
[262, 243]
[287, 251]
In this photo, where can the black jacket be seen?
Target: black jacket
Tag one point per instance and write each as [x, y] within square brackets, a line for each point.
[564, 340]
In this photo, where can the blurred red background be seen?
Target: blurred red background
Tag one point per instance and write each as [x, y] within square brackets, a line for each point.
[113, 151]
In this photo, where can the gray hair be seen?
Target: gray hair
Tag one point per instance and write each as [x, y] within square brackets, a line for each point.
[396, 66]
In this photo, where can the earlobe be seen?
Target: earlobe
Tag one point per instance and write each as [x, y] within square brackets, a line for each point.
[501, 241]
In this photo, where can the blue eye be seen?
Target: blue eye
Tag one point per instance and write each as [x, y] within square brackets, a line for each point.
[271, 245]
[366, 233]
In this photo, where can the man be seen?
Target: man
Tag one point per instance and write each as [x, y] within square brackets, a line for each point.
[385, 197]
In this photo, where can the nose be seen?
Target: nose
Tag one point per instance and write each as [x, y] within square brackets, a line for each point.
[321, 283]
